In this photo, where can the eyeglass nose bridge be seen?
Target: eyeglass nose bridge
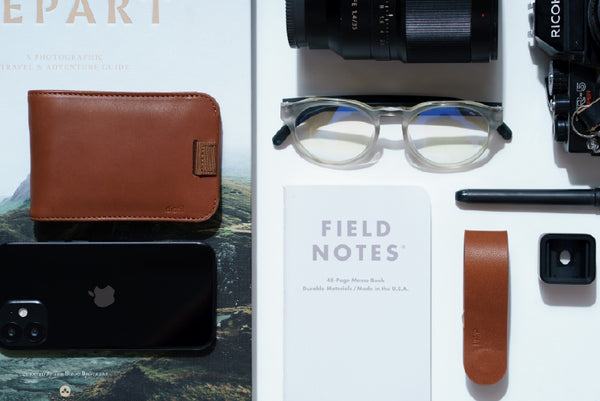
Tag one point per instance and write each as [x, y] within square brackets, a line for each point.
[391, 112]
[391, 116]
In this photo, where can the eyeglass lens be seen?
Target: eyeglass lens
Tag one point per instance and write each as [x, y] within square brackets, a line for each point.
[442, 135]
[448, 135]
[334, 134]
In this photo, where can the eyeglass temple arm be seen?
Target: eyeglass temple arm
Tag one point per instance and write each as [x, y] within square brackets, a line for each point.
[504, 131]
[281, 135]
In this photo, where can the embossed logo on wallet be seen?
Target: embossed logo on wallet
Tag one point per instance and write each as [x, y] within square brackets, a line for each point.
[475, 338]
[174, 209]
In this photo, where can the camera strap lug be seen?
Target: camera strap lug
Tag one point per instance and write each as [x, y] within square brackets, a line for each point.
[587, 119]
[593, 144]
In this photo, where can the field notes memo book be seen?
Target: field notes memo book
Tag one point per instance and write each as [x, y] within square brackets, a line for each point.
[357, 293]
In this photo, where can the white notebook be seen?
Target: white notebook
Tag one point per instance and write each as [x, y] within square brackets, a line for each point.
[357, 293]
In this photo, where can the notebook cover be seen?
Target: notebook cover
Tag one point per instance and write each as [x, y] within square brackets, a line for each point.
[356, 293]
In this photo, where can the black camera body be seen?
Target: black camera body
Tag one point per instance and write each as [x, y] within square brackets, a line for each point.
[569, 32]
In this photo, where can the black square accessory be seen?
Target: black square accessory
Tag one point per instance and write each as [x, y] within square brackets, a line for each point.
[567, 259]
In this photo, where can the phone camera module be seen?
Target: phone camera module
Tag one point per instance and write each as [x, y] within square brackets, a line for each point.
[23, 324]
[11, 333]
[34, 332]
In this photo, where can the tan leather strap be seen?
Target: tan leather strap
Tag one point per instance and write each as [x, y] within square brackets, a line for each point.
[485, 305]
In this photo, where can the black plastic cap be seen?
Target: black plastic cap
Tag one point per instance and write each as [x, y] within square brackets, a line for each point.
[568, 259]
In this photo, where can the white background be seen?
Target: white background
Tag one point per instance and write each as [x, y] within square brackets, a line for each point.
[554, 331]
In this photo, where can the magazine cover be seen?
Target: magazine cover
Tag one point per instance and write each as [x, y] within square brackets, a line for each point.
[134, 46]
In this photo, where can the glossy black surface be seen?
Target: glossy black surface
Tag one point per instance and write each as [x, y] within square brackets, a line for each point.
[164, 295]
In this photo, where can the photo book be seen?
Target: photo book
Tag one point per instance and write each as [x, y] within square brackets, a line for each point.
[134, 46]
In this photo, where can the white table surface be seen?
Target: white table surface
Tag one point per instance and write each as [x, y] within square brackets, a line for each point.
[554, 330]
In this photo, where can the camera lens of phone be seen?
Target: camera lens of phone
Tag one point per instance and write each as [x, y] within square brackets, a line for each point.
[11, 333]
[34, 332]
[407, 30]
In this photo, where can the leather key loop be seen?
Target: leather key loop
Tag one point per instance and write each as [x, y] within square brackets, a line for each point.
[485, 335]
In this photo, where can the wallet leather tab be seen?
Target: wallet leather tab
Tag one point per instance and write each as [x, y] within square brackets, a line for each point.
[110, 156]
[205, 158]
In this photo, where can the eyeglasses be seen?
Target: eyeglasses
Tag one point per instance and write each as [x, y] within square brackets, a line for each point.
[440, 133]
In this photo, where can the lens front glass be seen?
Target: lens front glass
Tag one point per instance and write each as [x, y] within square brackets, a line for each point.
[34, 332]
[334, 134]
[11, 333]
[448, 135]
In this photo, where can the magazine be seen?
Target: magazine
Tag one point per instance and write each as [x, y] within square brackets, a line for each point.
[134, 46]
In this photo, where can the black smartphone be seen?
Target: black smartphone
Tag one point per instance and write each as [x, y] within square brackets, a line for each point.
[118, 296]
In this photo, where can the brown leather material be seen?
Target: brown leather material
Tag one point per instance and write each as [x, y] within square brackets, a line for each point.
[485, 335]
[205, 158]
[109, 156]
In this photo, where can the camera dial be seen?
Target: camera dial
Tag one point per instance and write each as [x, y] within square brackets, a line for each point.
[557, 81]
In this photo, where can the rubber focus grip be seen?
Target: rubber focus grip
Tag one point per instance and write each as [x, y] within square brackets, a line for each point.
[485, 335]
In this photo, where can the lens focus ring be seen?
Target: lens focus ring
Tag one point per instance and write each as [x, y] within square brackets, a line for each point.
[438, 30]
[295, 23]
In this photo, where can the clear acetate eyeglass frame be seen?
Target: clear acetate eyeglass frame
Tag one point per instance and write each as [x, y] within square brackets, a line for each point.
[362, 118]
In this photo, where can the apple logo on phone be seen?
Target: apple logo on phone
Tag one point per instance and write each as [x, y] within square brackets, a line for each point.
[103, 297]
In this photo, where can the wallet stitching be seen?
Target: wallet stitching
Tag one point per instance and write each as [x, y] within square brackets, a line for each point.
[203, 218]
[125, 95]
[204, 160]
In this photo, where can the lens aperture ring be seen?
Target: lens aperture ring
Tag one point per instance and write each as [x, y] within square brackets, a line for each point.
[383, 18]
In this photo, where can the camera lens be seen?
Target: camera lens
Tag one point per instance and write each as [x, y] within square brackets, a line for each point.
[34, 332]
[11, 332]
[409, 30]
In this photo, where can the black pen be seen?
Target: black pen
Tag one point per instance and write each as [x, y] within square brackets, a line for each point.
[566, 197]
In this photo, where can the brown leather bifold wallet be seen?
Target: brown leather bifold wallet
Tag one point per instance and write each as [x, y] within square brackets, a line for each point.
[110, 156]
